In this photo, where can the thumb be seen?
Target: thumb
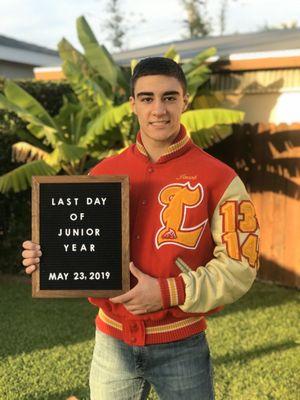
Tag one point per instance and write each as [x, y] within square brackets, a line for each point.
[135, 271]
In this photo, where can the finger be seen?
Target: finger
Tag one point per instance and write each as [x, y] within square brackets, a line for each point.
[30, 261]
[29, 270]
[133, 307]
[124, 298]
[29, 245]
[31, 253]
[139, 312]
[135, 271]
[136, 307]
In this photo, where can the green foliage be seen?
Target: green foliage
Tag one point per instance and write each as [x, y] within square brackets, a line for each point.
[201, 124]
[67, 127]
[48, 93]
[97, 55]
[89, 123]
[197, 72]
[50, 358]
[20, 178]
[39, 122]
[111, 119]
[15, 207]
[57, 142]
[96, 120]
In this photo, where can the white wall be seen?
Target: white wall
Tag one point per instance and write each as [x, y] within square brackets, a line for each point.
[267, 107]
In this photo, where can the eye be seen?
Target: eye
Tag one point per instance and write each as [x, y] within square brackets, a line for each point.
[146, 99]
[170, 98]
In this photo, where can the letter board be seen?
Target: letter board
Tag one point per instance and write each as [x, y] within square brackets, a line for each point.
[82, 225]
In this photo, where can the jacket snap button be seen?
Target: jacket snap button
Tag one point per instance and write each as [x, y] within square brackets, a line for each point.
[133, 340]
[150, 169]
[133, 327]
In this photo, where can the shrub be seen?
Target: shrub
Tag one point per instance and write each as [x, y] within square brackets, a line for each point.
[15, 208]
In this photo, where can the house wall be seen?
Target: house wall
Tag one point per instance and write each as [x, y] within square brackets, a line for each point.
[266, 96]
[273, 108]
[14, 70]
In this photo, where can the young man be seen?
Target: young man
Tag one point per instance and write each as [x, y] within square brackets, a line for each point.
[193, 246]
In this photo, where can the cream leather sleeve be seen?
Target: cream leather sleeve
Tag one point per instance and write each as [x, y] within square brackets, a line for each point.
[232, 271]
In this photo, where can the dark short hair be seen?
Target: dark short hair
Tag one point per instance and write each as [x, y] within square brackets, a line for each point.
[158, 66]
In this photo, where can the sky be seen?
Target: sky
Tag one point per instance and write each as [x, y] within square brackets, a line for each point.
[150, 22]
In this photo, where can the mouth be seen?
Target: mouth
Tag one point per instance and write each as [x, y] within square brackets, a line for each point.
[159, 123]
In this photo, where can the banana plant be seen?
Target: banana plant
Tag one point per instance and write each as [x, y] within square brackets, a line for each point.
[205, 126]
[98, 121]
[52, 145]
[95, 77]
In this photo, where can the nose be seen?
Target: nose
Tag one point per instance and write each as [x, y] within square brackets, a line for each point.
[159, 108]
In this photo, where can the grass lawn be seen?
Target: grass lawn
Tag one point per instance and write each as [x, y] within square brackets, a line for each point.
[46, 345]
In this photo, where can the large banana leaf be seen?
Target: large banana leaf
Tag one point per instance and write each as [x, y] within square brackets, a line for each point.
[35, 125]
[15, 94]
[65, 153]
[20, 178]
[74, 119]
[196, 79]
[198, 60]
[96, 54]
[208, 137]
[82, 77]
[198, 124]
[172, 53]
[133, 64]
[105, 122]
[24, 152]
[21, 98]
[207, 99]
[196, 120]
[29, 138]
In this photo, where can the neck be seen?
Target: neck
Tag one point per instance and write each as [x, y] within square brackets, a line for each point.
[154, 148]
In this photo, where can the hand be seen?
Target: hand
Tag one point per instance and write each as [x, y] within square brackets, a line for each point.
[144, 297]
[31, 256]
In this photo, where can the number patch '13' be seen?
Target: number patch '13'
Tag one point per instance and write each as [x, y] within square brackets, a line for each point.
[231, 210]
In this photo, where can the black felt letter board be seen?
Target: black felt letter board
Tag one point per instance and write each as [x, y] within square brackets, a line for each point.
[80, 223]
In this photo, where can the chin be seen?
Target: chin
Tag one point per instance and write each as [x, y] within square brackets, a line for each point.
[168, 129]
[162, 134]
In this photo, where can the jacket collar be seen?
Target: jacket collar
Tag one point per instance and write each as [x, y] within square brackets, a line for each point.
[180, 145]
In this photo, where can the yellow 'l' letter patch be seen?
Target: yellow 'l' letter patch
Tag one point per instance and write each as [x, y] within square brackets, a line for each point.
[176, 199]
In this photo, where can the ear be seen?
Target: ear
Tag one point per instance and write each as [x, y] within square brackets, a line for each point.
[132, 104]
[185, 101]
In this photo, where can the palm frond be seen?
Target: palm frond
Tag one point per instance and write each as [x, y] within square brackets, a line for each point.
[20, 178]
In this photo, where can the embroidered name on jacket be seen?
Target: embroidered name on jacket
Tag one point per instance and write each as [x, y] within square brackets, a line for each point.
[176, 200]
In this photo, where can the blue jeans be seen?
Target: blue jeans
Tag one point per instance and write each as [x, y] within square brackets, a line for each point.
[177, 370]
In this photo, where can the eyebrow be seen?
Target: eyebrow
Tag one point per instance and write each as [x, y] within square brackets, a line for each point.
[168, 93]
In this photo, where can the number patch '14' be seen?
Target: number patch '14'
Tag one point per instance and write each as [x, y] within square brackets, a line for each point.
[232, 225]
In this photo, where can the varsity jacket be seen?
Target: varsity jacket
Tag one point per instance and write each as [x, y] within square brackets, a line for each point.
[194, 228]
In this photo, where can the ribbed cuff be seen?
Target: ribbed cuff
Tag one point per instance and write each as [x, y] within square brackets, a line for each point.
[172, 291]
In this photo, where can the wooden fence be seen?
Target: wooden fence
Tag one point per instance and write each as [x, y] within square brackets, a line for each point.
[267, 158]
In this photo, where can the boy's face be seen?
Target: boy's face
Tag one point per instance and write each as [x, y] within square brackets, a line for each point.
[158, 103]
